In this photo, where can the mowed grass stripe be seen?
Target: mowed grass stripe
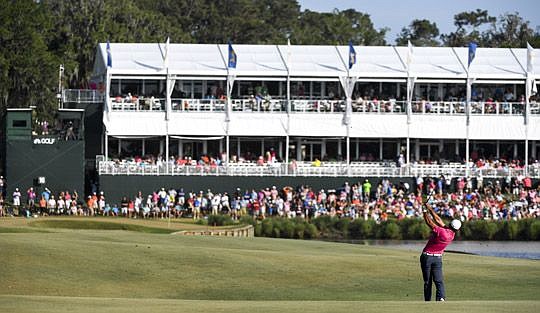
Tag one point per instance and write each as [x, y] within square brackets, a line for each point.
[138, 265]
[118, 305]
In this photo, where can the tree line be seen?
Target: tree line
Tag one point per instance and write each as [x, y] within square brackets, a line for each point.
[36, 36]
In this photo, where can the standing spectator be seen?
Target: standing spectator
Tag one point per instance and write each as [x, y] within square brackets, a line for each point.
[51, 205]
[16, 198]
[367, 190]
[31, 196]
[2, 213]
[2, 187]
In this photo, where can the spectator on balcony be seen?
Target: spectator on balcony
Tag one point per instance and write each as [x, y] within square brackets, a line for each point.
[508, 95]
[260, 161]
[316, 163]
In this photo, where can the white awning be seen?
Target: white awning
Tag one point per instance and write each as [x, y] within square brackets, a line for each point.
[278, 61]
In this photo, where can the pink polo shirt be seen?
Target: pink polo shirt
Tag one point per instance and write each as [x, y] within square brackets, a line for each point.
[440, 238]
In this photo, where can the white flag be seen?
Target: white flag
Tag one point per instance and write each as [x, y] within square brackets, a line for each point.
[409, 55]
[530, 57]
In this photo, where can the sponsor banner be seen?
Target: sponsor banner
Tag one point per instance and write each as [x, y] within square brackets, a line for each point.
[45, 141]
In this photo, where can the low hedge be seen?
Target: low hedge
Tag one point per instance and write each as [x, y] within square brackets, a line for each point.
[410, 229]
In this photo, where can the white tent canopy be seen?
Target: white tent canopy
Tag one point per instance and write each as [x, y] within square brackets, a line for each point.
[311, 61]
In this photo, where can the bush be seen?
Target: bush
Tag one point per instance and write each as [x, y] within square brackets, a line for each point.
[419, 231]
[247, 220]
[354, 229]
[299, 230]
[288, 229]
[509, 231]
[201, 221]
[311, 232]
[483, 230]
[524, 229]
[220, 220]
[341, 226]
[535, 230]
[323, 223]
[391, 231]
[258, 230]
[268, 227]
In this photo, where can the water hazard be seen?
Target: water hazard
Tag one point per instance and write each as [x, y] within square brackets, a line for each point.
[505, 249]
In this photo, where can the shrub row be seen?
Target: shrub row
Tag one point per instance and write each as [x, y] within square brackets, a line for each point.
[412, 229]
[279, 227]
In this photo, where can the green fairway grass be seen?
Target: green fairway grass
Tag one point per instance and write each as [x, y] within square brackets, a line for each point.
[93, 270]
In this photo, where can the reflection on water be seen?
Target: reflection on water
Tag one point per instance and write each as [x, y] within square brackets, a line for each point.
[505, 249]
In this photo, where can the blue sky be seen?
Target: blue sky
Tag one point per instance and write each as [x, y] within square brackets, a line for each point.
[397, 14]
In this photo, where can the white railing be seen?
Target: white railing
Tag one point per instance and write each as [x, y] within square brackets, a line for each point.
[137, 104]
[477, 108]
[311, 105]
[82, 96]
[326, 169]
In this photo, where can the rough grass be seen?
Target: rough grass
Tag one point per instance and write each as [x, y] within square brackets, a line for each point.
[116, 271]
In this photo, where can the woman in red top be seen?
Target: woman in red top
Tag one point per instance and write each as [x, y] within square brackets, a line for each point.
[431, 258]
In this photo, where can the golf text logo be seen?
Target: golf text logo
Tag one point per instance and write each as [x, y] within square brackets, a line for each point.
[44, 141]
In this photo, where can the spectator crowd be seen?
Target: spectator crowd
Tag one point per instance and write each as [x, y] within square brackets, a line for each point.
[465, 199]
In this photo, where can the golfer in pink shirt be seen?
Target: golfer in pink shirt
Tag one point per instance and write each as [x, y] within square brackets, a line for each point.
[431, 258]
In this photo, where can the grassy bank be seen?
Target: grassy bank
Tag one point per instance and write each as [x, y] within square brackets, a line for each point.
[130, 270]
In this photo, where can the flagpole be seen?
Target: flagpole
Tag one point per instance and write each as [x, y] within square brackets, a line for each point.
[287, 134]
[471, 55]
[528, 86]
[467, 122]
[410, 91]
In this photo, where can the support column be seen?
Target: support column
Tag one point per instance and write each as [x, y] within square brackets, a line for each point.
[180, 148]
[299, 149]
[280, 149]
[143, 147]
[161, 147]
[380, 149]
[238, 147]
[515, 150]
[220, 146]
[533, 150]
[339, 152]
[287, 143]
[357, 148]
[119, 146]
[167, 153]
[262, 148]
[106, 146]
[457, 147]
[205, 147]
[498, 153]
[323, 148]
[417, 149]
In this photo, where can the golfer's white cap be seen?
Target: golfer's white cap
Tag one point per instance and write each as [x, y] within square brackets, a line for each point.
[455, 224]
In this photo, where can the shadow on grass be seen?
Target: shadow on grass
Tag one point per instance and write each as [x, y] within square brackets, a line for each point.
[10, 230]
[95, 225]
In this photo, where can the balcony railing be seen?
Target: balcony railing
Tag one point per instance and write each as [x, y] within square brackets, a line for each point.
[82, 96]
[327, 169]
[301, 105]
